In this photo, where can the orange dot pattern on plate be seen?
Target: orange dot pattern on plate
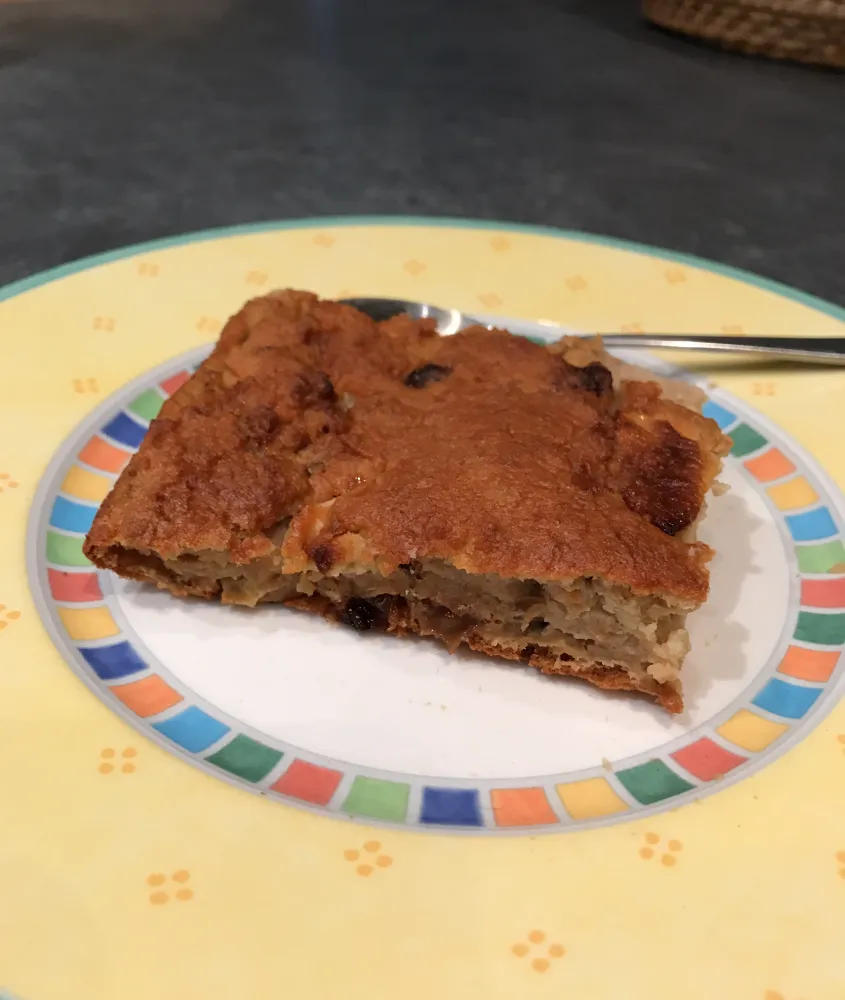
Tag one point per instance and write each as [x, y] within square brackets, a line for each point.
[159, 881]
[83, 385]
[668, 858]
[7, 616]
[108, 754]
[370, 856]
[541, 953]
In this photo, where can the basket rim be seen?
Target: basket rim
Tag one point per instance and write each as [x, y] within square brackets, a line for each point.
[817, 10]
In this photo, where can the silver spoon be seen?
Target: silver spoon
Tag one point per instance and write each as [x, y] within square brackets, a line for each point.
[815, 350]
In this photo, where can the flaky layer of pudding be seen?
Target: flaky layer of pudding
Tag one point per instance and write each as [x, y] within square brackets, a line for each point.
[534, 502]
[581, 627]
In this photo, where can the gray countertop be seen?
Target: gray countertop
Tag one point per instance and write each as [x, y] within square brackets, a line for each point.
[126, 120]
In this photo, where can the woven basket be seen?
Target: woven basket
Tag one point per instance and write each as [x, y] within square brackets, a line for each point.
[807, 30]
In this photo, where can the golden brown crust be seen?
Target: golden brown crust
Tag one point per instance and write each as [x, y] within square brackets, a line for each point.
[607, 678]
[387, 443]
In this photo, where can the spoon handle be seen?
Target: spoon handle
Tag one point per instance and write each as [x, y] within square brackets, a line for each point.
[818, 350]
[813, 350]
